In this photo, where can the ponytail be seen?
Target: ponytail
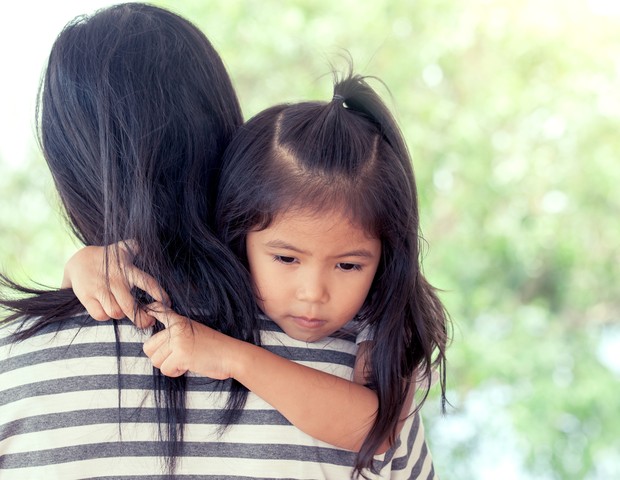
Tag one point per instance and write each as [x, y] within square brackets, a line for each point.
[409, 322]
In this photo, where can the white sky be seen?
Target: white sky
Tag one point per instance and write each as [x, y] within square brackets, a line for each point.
[27, 31]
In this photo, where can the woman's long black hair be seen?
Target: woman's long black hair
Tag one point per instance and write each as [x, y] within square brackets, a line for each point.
[347, 154]
[135, 111]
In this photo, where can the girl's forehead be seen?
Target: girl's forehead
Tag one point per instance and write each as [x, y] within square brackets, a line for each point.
[308, 213]
[329, 235]
[318, 219]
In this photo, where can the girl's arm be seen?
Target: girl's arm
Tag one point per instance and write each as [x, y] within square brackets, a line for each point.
[322, 405]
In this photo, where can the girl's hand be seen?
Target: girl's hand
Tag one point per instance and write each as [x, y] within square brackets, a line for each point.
[186, 345]
[106, 297]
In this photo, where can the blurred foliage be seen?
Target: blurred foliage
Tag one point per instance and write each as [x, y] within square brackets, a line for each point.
[34, 238]
[511, 110]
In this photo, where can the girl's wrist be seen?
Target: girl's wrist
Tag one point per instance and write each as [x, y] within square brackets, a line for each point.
[244, 359]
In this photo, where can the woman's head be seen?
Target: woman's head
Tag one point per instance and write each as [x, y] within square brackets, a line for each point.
[135, 111]
[345, 156]
[136, 108]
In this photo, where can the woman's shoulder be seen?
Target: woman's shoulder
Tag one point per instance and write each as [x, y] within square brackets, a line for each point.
[78, 335]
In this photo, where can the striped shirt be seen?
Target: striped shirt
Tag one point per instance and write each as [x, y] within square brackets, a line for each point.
[63, 416]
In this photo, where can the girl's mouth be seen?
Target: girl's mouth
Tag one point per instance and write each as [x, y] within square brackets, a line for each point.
[310, 323]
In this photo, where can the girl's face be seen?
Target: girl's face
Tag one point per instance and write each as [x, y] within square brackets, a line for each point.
[312, 272]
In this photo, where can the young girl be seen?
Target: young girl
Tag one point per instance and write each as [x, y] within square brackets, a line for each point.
[319, 201]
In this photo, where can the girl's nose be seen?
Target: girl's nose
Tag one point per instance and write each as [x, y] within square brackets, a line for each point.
[312, 288]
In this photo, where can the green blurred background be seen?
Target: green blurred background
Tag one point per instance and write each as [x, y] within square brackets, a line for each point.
[511, 110]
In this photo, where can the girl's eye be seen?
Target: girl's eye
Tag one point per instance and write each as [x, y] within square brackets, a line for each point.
[349, 267]
[284, 260]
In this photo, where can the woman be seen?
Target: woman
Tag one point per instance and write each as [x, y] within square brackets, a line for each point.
[136, 109]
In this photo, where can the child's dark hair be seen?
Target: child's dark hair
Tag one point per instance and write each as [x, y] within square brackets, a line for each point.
[347, 154]
[135, 111]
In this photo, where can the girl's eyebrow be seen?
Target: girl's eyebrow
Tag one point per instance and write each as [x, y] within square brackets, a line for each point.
[356, 253]
[284, 245]
[287, 246]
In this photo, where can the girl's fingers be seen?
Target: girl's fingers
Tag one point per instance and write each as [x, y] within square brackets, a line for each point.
[127, 303]
[158, 349]
[131, 247]
[164, 314]
[123, 304]
[143, 319]
[159, 356]
[125, 252]
[121, 292]
[95, 310]
[111, 306]
[119, 303]
[169, 368]
[147, 283]
[155, 343]
[166, 348]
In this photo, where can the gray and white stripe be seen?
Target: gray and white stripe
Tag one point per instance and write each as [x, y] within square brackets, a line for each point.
[61, 414]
